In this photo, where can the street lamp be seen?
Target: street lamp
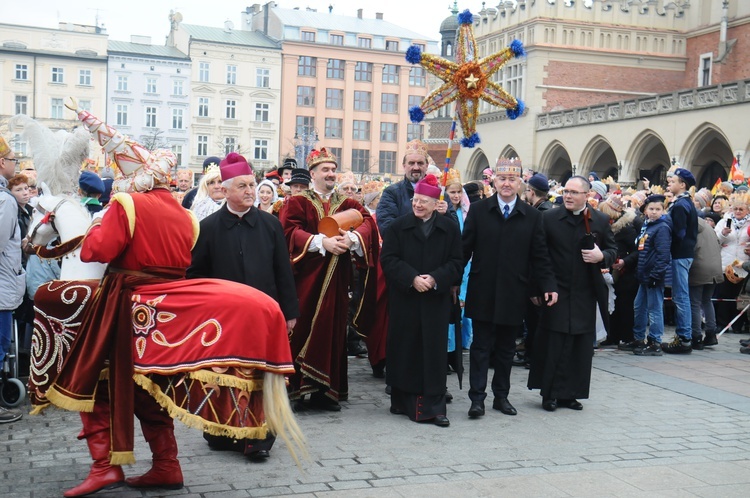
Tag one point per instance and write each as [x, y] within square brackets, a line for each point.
[304, 143]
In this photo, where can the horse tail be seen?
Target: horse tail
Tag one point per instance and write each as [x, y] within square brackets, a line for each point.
[280, 418]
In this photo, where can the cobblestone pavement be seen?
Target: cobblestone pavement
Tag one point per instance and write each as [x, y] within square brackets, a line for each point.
[654, 426]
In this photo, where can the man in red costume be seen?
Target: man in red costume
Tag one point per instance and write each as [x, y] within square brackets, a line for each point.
[146, 237]
[323, 275]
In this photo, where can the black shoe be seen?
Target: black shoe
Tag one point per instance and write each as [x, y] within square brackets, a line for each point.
[569, 403]
[653, 349]
[321, 402]
[378, 371]
[388, 390]
[631, 346]
[745, 342]
[697, 344]
[356, 348]
[518, 360]
[677, 346]
[609, 344]
[504, 406]
[259, 456]
[397, 411]
[745, 350]
[549, 404]
[477, 409]
[441, 421]
[448, 397]
[710, 339]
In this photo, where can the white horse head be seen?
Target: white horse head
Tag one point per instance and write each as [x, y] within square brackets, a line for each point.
[63, 217]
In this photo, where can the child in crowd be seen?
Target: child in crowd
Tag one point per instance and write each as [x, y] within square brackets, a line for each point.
[654, 244]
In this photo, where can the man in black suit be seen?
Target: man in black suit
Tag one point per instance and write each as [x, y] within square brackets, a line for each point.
[581, 244]
[504, 238]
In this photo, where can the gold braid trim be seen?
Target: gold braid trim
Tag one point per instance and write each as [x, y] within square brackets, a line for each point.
[196, 226]
[124, 200]
[194, 421]
[326, 283]
[39, 409]
[223, 380]
[67, 402]
[121, 458]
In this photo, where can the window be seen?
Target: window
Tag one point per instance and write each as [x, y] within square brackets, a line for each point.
[85, 105]
[261, 112]
[177, 151]
[364, 42]
[363, 71]
[388, 132]
[202, 107]
[414, 131]
[362, 101]
[360, 160]
[260, 151]
[389, 103]
[22, 104]
[336, 39]
[22, 71]
[19, 146]
[57, 75]
[177, 87]
[177, 115]
[202, 145]
[334, 128]
[335, 69]
[416, 76]
[150, 85]
[334, 98]
[262, 77]
[56, 109]
[305, 125]
[84, 77]
[308, 36]
[361, 130]
[203, 72]
[122, 114]
[336, 151]
[306, 66]
[390, 74]
[420, 46]
[231, 109]
[387, 161]
[231, 75]
[511, 78]
[230, 143]
[704, 74]
[414, 100]
[150, 117]
[306, 96]
[391, 46]
[122, 83]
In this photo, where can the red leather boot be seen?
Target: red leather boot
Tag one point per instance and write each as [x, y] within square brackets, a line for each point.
[165, 469]
[102, 474]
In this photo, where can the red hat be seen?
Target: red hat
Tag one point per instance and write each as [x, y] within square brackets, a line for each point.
[428, 186]
[234, 165]
[272, 174]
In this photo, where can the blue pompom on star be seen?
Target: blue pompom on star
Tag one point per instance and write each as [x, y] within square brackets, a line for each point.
[516, 111]
[466, 17]
[416, 114]
[516, 46]
[471, 140]
[413, 55]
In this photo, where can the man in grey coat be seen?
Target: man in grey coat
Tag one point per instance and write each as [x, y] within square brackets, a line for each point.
[705, 273]
[12, 275]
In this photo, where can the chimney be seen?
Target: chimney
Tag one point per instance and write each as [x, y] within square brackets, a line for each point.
[142, 40]
[379, 15]
[359, 13]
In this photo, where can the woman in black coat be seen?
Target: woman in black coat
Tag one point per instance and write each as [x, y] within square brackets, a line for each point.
[420, 246]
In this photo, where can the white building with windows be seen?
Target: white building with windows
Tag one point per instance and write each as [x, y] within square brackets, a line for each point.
[41, 67]
[148, 95]
[235, 92]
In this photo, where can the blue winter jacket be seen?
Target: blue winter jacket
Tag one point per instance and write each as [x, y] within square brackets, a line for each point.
[654, 250]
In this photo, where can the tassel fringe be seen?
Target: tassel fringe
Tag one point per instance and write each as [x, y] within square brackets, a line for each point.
[67, 403]
[121, 458]
[223, 380]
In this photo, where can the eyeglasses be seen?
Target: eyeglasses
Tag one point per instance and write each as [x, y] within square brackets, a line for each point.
[9, 159]
[572, 192]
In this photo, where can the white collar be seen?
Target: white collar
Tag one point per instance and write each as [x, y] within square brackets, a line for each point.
[239, 213]
[323, 196]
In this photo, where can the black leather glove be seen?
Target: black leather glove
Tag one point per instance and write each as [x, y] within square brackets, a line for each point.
[652, 283]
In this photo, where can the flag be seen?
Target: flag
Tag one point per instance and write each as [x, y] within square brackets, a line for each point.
[735, 174]
[715, 188]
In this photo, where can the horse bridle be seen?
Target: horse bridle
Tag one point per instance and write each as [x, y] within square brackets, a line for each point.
[62, 249]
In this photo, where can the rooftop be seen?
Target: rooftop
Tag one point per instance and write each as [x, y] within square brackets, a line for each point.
[121, 47]
[232, 36]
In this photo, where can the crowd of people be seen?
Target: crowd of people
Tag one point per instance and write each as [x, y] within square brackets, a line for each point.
[516, 268]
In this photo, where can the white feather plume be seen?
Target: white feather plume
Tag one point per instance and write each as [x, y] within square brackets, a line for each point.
[57, 156]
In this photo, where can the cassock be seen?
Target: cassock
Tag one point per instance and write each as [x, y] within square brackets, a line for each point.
[564, 346]
[417, 345]
[318, 341]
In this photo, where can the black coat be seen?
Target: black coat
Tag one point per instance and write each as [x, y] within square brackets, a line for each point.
[418, 321]
[251, 251]
[580, 285]
[503, 254]
[395, 201]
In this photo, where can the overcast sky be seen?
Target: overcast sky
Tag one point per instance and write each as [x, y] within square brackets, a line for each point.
[150, 17]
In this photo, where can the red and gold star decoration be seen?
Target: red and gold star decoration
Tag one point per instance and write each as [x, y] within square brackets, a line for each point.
[466, 80]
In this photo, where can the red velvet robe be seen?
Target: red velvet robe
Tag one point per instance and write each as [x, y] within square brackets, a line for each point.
[318, 341]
